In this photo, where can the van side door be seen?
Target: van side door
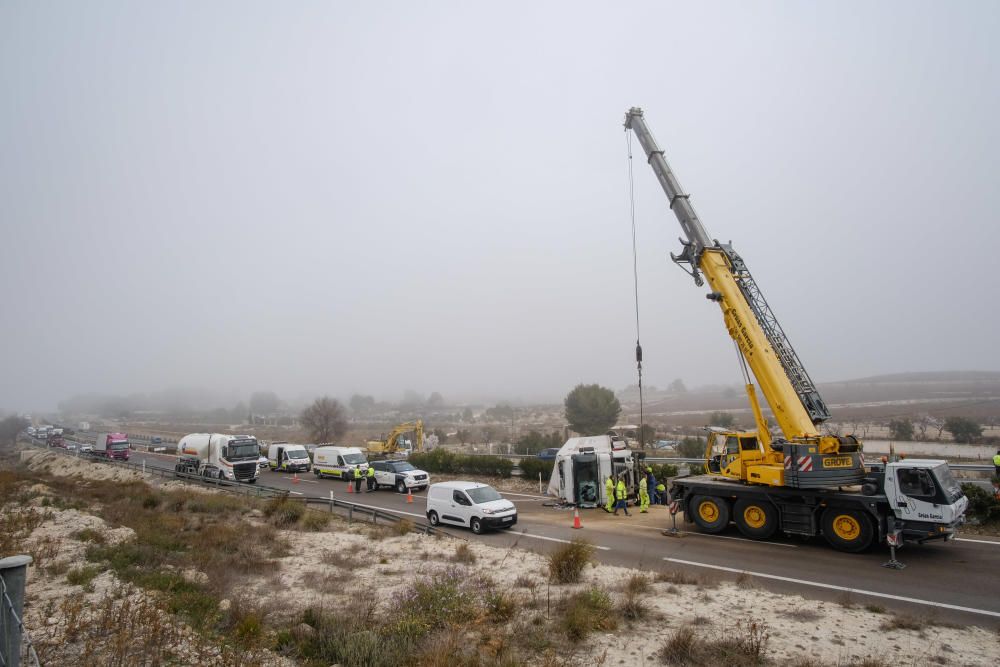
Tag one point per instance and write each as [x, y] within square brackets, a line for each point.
[461, 507]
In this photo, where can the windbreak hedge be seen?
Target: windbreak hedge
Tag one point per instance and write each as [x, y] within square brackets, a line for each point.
[530, 467]
[449, 463]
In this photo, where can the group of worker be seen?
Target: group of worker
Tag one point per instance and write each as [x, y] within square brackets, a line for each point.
[649, 490]
[368, 476]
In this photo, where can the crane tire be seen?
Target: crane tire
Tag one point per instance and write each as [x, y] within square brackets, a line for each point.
[709, 513]
[756, 519]
[847, 530]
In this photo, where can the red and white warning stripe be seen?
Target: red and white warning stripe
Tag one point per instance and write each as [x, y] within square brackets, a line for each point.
[674, 507]
[788, 462]
[805, 463]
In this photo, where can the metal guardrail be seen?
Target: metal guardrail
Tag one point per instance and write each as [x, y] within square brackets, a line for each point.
[373, 512]
[13, 634]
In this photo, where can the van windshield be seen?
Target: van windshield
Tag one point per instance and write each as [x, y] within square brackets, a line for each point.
[297, 454]
[483, 494]
[354, 459]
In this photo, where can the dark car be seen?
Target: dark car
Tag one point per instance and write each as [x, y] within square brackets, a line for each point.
[548, 454]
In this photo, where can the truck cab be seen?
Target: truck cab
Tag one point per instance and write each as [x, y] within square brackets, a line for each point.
[924, 496]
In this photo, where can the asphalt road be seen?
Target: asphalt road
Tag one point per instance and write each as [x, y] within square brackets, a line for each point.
[956, 582]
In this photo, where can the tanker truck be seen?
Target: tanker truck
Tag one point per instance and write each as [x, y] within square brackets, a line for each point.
[231, 457]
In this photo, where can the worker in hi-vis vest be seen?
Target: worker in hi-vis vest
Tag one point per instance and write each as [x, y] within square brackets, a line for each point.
[370, 479]
[357, 479]
[609, 491]
[996, 463]
[643, 495]
[621, 496]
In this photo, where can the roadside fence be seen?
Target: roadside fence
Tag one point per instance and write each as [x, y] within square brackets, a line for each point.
[15, 643]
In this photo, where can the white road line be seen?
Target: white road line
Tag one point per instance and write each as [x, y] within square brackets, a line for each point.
[859, 591]
[556, 539]
[298, 493]
[965, 539]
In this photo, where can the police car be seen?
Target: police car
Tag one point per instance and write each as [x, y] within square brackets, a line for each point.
[400, 475]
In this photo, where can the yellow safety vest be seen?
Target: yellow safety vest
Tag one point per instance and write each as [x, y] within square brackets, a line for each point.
[357, 473]
[642, 486]
[620, 491]
[371, 472]
[996, 459]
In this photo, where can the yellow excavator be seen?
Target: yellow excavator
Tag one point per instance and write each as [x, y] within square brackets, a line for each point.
[799, 456]
[393, 443]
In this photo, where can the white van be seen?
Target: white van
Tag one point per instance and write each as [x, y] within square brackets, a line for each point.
[338, 461]
[286, 457]
[478, 506]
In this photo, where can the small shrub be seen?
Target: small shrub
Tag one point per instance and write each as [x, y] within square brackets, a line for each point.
[500, 605]
[586, 611]
[82, 576]
[463, 554]
[745, 580]
[90, 535]
[875, 608]
[677, 577]
[903, 622]
[150, 502]
[681, 647]
[315, 521]
[403, 527]
[283, 512]
[567, 561]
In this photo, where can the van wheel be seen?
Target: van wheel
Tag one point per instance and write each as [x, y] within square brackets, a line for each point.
[847, 530]
[316, 472]
[432, 516]
[476, 526]
[711, 514]
[400, 487]
[756, 519]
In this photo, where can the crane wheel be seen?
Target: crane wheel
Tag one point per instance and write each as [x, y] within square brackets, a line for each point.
[711, 514]
[847, 530]
[756, 519]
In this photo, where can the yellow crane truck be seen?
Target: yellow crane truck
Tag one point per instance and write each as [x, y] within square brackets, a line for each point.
[797, 479]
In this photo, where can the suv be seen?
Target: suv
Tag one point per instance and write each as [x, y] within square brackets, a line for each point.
[478, 506]
[400, 475]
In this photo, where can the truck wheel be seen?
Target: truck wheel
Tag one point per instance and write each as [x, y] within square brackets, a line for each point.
[432, 516]
[711, 514]
[400, 487]
[476, 525]
[756, 519]
[847, 530]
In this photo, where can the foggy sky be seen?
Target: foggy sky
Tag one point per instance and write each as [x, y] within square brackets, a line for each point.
[372, 197]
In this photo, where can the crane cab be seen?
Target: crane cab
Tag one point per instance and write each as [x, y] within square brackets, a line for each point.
[741, 455]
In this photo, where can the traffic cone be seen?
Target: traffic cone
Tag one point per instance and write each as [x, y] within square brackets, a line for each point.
[350, 486]
[576, 518]
[295, 478]
[409, 496]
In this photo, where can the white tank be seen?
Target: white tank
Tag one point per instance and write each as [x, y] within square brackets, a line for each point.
[195, 444]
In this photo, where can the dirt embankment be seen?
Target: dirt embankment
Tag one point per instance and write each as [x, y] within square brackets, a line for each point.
[320, 565]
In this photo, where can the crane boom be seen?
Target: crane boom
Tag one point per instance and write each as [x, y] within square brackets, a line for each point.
[787, 387]
[698, 241]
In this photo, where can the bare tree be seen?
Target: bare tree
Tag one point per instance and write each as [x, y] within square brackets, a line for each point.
[10, 427]
[325, 420]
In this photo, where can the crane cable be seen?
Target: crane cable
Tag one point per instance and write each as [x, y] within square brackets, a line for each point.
[635, 284]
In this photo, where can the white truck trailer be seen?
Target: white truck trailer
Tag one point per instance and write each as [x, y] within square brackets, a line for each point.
[231, 457]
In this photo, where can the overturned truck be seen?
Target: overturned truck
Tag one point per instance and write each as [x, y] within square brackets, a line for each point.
[584, 464]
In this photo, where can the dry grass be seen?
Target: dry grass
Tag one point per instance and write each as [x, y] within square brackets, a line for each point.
[677, 578]
[586, 611]
[463, 554]
[632, 606]
[746, 646]
[566, 562]
[904, 622]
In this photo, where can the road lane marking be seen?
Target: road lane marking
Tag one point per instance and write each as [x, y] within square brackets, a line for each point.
[556, 539]
[965, 539]
[298, 493]
[834, 587]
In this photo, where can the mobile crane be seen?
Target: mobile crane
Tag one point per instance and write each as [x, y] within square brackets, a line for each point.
[793, 480]
[390, 445]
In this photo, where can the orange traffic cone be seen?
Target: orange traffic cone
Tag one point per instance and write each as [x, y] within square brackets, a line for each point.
[295, 478]
[576, 518]
[409, 496]
[350, 486]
